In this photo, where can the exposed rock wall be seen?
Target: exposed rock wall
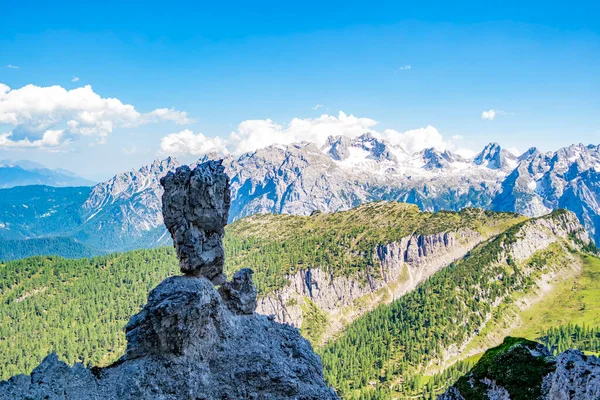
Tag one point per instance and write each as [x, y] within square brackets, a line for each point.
[403, 265]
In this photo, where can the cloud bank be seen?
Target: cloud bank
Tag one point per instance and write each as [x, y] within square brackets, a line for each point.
[34, 115]
[251, 135]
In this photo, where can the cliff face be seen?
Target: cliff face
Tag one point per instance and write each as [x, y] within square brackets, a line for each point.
[403, 265]
[191, 341]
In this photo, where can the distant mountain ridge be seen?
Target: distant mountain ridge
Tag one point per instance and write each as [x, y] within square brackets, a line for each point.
[124, 212]
[25, 172]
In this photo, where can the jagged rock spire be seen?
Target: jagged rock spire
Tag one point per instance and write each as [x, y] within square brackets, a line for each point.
[195, 207]
[191, 341]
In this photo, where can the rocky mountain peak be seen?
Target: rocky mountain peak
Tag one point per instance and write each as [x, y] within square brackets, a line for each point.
[190, 340]
[495, 157]
[531, 152]
[378, 149]
[165, 165]
[337, 147]
[435, 159]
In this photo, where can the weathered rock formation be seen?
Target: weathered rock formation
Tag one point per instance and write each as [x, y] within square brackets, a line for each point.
[195, 206]
[522, 369]
[191, 341]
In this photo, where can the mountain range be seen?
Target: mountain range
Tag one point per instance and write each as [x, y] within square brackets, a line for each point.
[302, 178]
[24, 172]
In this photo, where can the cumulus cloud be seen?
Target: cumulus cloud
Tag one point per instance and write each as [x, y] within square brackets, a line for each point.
[51, 139]
[75, 79]
[32, 111]
[188, 142]
[415, 140]
[255, 134]
[12, 66]
[491, 114]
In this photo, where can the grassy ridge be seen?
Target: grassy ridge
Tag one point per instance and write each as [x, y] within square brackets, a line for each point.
[341, 243]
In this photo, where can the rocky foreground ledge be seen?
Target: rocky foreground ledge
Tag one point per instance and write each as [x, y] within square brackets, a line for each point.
[192, 341]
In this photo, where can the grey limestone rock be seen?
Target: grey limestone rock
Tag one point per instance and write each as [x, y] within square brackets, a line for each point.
[187, 344]
[195, 206]
[240, 294]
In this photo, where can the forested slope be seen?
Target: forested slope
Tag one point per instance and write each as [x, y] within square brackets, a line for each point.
[387, 352]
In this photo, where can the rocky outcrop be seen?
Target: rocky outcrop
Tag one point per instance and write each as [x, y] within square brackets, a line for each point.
[402, 265]
[577, 376]
[240, 294]
[195, 206]
[522, 369]
[191, 341]
[539, 233]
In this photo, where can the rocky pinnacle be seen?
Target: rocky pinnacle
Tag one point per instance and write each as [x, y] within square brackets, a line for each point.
[195, 207]
[191, 341]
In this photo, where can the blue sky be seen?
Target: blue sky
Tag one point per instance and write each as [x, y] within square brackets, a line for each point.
[406, 66]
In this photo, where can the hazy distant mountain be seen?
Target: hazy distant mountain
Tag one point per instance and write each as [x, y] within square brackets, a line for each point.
[24, 172]
[124, 212]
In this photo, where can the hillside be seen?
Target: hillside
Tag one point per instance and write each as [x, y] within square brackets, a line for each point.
[354, 259]
[521, 369]
[394, 347]
[56, 293]
[389, 350]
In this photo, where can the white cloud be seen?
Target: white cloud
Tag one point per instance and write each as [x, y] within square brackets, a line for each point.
[317, 106]
[491, 114]
[515, 151]
[49, 140]
[12, 66]
[32, 111]
[255, 134]
[187, 142]
[404, 68]
[75, 79]
[415, 140]
[170, 114]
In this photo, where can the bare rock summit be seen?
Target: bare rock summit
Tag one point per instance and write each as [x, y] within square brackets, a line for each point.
[195, 206]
